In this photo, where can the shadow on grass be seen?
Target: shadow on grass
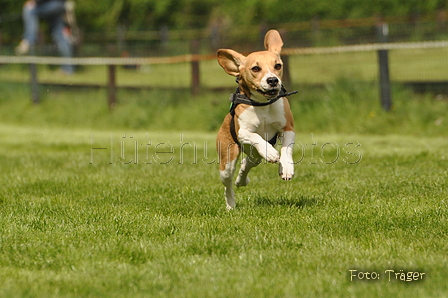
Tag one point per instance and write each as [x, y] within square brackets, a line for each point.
[299, 202]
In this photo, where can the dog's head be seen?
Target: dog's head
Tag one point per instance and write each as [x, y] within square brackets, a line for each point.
[260, 73]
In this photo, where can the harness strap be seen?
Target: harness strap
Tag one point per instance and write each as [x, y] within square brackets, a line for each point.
[238, 98]
[233, 131]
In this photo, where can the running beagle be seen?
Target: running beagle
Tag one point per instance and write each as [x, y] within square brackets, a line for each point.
[259, 115]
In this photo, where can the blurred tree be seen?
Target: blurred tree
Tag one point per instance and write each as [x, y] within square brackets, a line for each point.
[10, 17]
[102, 15]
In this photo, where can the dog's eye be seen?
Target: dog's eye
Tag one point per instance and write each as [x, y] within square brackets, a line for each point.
[256, 69]
[278, 66]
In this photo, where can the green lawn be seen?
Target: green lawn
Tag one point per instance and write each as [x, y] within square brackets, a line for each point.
[80, 222]
[128, 203]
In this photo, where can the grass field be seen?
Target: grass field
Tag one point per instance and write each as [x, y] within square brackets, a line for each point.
[128, 203]
[80, 222]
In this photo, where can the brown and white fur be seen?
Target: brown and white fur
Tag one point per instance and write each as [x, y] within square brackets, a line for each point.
[260, 78]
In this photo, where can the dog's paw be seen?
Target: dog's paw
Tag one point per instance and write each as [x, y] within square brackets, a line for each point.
[286, 170]
[271, 155]
[230, 206]
[242, 182]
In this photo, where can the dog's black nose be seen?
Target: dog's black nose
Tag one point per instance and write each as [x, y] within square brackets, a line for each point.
[272, 81]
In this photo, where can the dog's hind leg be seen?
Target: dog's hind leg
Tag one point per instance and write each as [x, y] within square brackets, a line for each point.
[246, 165]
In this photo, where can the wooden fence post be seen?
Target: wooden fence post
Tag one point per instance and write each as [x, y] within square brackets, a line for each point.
[34, 83]
[111, 87]
[286, 73]
[383, 61]
[33, 79]
[195, 71]
[121, 38]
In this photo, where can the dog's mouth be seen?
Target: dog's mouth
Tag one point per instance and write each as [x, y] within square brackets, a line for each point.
[270, 93]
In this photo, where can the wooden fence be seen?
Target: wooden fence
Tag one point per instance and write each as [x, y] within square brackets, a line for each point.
[195, 59]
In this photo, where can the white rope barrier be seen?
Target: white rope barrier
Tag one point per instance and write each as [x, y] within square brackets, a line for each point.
[102, 60]
[190, 57]
[367, 48]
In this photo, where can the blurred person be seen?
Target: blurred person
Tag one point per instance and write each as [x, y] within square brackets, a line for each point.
[53, 12]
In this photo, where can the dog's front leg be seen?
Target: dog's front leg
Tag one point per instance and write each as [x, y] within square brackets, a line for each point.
[286, 167]
[266, 150]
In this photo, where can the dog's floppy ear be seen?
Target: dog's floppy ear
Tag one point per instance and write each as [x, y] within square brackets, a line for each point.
[231, 61]
[273, 42]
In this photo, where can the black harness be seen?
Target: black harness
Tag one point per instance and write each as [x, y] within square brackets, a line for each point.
[239, 98]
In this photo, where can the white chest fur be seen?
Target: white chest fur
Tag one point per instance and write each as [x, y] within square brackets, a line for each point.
[265, 121]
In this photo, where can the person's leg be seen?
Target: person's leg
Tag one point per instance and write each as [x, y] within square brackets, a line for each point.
[31, 26]
[53, 11]
[30, 21]
[62, 42]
